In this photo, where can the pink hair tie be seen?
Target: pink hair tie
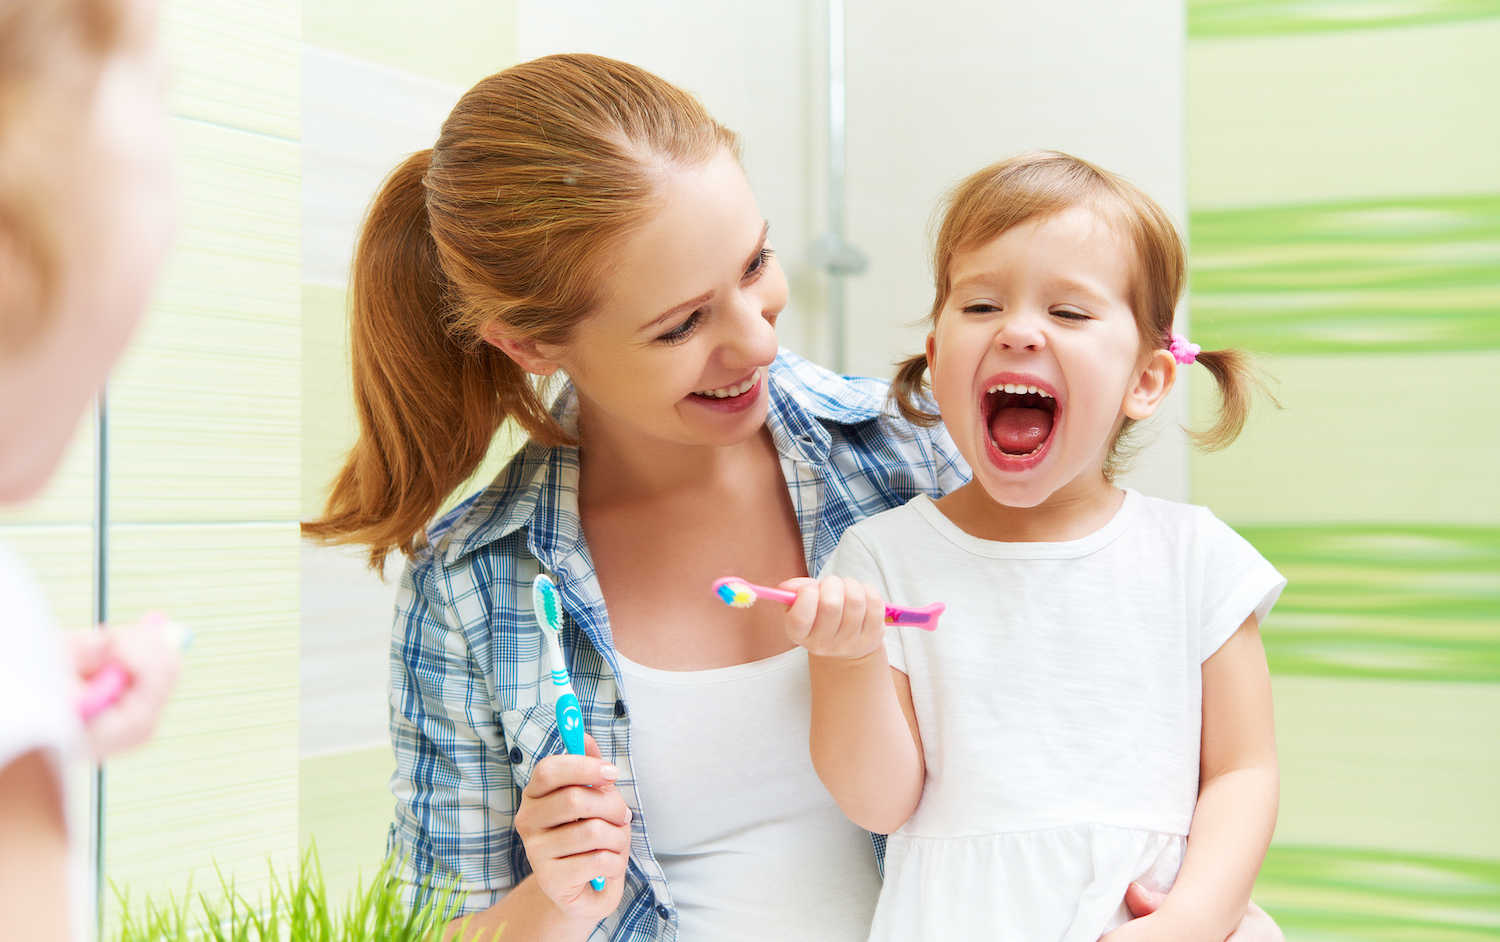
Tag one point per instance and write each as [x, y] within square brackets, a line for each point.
[1182, 351]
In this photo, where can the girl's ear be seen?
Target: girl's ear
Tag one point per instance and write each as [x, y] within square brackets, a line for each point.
[528, 354]
[931, 353]
[1151, 385]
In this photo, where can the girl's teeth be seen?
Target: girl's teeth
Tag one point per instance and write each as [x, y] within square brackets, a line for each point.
[1020, 388]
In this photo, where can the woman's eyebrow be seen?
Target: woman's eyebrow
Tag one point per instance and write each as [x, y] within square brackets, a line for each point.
[684, 306]
[707, 296]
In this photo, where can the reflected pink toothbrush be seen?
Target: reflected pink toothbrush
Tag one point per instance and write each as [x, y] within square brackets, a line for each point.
[737, 593]
[106, 684]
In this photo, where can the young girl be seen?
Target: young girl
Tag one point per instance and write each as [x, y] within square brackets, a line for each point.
[85, 219]
[1098, 670]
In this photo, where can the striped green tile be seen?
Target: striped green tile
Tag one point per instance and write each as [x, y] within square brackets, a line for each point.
[1390, 275]
[1354, 115]
[1389, 765]
[345, 808]
[1335, 894]
[1221, 18]
[1402, 602]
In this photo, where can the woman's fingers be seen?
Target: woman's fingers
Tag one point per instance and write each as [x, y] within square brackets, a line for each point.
[1141, 901]
[576, 828]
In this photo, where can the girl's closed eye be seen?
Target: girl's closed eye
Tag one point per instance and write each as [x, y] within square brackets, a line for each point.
[981, 307]
[1070, 314]
[682, 331]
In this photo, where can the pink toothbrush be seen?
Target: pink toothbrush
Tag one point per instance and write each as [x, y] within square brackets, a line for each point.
[737, 593]
[106, 684]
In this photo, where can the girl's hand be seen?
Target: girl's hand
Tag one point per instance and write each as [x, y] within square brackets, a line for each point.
[1256, 926]
[835, 617]
[574, 832]
[150, 661]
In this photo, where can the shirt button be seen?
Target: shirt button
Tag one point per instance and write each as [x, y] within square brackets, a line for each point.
[620, 708]
[515, 755]
[663, 911]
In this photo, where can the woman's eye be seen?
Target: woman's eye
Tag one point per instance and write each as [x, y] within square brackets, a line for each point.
[682, 331]
[762, 259]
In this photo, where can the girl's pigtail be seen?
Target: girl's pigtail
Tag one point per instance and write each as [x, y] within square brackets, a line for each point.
[428, 405]
[1239, 379]
[909, 392]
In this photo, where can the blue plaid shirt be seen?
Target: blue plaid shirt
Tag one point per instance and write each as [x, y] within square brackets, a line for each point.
[470, 712]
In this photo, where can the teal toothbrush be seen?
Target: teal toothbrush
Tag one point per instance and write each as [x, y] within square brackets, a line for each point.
[547, 607]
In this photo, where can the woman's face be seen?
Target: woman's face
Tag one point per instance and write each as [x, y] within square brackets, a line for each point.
[678, 349]
[115, 214]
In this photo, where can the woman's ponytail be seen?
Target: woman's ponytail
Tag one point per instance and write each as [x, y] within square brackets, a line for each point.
[428, 405]
[506, 225]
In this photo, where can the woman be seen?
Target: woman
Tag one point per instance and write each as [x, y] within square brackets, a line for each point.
[581, 216]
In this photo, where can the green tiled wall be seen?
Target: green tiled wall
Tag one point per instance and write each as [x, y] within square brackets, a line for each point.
[1345, 221]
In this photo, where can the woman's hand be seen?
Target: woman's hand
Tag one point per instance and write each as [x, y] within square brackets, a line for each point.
[150, 660]
[576, 826]
[1256, 926]
[835, 617]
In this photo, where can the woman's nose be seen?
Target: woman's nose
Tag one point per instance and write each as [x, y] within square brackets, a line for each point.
[752, 331]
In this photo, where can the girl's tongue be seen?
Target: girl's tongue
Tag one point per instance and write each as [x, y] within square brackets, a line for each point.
[1019, 430]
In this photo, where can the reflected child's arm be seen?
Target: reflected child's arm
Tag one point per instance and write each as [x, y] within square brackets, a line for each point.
[865, 744]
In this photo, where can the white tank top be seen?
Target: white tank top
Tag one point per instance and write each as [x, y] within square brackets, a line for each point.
[753, 846]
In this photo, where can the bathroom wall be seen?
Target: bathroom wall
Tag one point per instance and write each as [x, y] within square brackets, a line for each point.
[1344, 198]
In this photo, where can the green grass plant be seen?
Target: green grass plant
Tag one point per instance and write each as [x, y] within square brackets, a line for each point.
[297, 909]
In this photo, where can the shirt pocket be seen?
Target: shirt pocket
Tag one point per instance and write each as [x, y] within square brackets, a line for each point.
[530, 736]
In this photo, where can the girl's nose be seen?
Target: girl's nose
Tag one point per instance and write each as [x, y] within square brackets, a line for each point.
[1021, 331]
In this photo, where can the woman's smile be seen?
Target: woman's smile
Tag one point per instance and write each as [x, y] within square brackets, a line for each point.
[737, 398]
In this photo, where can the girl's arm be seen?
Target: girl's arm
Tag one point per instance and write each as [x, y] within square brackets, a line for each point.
[1237, 794]
[864, 740]
[34, 900]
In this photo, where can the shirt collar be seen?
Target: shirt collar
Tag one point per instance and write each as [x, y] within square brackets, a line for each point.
[539, 488]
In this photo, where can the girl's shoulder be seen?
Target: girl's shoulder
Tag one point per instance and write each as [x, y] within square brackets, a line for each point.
[1178, 518]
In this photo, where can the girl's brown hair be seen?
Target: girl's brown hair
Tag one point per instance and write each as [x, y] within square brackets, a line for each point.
[51, 52]
[537, 175]
[1040, 184]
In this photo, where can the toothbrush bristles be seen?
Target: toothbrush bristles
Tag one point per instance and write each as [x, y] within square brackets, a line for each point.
[736, 595]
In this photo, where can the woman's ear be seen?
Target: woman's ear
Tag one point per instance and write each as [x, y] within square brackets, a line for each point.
[1151, 385]
[528, 354]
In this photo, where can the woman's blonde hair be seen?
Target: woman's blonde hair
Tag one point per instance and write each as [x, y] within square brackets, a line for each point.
[537, 175]
[51, 52]
[1040, 184]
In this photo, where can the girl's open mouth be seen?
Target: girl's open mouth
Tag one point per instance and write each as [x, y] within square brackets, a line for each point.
[1020, 418]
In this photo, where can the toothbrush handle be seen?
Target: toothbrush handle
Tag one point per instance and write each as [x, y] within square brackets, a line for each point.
[102, 690]
[774, 595]
[925, 617]
[570, 727]
[570, 722]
